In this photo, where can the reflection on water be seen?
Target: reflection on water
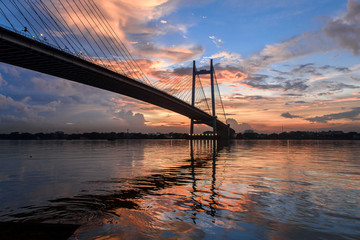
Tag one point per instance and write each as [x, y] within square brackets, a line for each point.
[201, 189]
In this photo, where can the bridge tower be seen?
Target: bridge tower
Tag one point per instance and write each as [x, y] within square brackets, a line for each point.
[214, 117]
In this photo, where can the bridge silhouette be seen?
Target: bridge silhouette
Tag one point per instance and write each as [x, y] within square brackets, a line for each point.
[24, 45]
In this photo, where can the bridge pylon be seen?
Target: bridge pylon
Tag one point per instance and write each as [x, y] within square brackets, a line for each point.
[214, 117]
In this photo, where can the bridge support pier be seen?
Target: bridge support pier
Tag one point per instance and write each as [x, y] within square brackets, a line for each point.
[193, 97]
[195, 73]
[213, 96]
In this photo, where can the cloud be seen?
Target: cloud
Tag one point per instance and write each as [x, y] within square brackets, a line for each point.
[341, 86]
[307, 77]
[217, 41]
[357, 79]
[24, 109]
[137, 22]
[238, 127]
[58, 86]
[238, 96]
[175, 54]
[119, 102]
[297, 85]
[298, 46]
[310, 69]
[292, 95]
[337, 33]
[2, 81]
[328, 87]
[228, 69]
[289, 115]
[266, 82]
[129, 16]
[128, 118]
[345, 30]
[183, 71]
[352, 115]
[142, 22]
[338, 69]
[8, 69]
[228, 58]
[13, 120]
[346, 99]
[229, 73]
[10, 103]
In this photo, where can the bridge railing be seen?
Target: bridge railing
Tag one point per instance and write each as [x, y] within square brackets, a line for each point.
[43, 41]
[65, 50]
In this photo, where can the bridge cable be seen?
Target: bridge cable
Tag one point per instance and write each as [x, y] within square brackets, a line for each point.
[59, 28]
[121, 44]
[183, 83]
[206, 99]
[51, 22]
[102, 32]
[169, 83]
[121, 51]
[25, 18]
[98, 38]
[72, 36]
[198, 92]
[35, 20]
[81, 21]
[200, 99]
[217, 85]
[203, 92]
[69, 28]
[166, 80]
[43, 22]
[7, 19]
[179, 86]
[184, 90]
[31, 26]
[90, 45]
[125, 63]
[188, 93]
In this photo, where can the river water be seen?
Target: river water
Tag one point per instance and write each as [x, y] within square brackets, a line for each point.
[177, 189]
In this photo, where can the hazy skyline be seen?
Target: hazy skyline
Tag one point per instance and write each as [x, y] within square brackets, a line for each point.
[281, 65]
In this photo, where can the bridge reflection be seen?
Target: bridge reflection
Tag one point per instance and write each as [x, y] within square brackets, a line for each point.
[83, 208]
[214, 147]
[161, 200]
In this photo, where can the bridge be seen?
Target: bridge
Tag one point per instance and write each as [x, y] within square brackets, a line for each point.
[33, 51]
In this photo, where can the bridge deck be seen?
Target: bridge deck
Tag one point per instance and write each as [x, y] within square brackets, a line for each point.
[21, 51]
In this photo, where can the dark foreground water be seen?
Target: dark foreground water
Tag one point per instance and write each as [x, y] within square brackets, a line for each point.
[163, 189]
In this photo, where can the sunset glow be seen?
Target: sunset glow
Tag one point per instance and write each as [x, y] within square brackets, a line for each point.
[280, 65]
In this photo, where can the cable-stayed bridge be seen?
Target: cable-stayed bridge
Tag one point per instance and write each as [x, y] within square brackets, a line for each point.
[72, 39]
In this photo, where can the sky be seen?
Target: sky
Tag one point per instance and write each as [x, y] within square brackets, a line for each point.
[281, 66]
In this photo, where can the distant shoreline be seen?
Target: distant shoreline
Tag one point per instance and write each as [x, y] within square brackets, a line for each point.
[295, 135]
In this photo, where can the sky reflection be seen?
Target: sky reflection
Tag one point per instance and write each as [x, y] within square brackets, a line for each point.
[204, 190]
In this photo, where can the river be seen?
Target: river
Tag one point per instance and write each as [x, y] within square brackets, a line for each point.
[177, 189]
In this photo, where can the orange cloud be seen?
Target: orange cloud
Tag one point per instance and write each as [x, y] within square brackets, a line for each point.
[349, 99]
[176, 54]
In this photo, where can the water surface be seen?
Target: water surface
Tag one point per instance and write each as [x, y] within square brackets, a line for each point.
[177, 189]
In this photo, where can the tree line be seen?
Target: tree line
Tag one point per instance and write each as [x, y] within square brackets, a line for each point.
[324, 135]
[90, 135]
[124, 135]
